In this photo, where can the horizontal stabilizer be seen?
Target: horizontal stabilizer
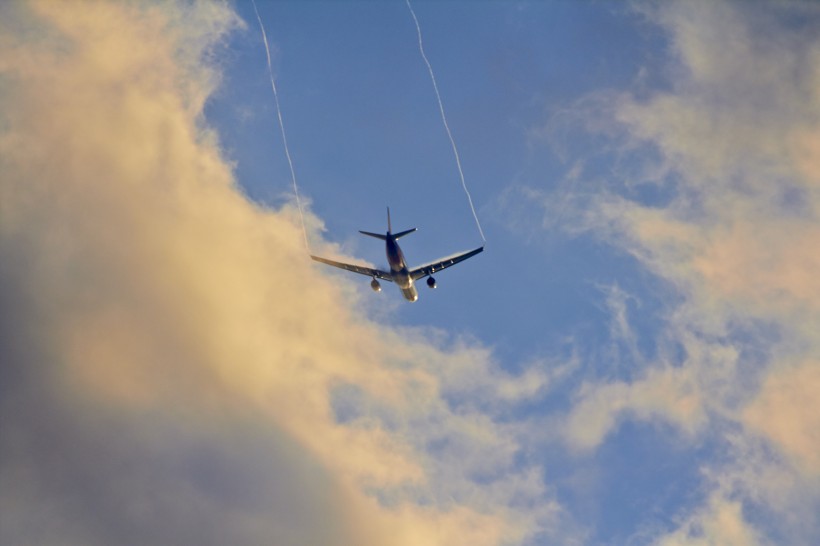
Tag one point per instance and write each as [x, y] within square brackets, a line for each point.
[376, 235]
[403, 233]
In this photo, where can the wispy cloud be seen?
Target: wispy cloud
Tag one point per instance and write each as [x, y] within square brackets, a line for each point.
[732, 141]
[721, 522]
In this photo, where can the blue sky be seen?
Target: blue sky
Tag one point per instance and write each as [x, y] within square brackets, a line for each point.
[632, 361]
[365, 132]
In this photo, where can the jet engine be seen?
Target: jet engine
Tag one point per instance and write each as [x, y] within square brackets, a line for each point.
[374, 284]
[431, 282]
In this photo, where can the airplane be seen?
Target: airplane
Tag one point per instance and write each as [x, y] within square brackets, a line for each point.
[399, 273]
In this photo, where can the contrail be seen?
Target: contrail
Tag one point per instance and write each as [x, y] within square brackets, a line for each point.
[282, 125]
[444, 119]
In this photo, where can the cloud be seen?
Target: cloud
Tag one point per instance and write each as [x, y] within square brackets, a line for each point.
[785, 411]
[735, 238]
[175, 371]
[721, 523]
[731, 141]
[668, 394]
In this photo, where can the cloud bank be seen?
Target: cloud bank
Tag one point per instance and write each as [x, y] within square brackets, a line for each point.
[174, 370]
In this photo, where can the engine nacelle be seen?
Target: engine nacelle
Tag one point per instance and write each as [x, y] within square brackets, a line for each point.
[374, 284]
[431, 282]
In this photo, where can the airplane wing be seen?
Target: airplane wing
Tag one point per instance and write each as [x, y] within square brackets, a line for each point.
[383, 275]
[443, 263]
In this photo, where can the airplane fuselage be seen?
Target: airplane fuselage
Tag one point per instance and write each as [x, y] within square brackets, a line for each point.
[398, 269]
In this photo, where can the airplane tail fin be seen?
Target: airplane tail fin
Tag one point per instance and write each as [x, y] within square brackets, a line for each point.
[389, 231]
[390, 228]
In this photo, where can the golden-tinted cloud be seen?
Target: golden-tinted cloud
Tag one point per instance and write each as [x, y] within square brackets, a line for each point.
[175, 369]
[720, 523]
[785, 411]
[668, 394]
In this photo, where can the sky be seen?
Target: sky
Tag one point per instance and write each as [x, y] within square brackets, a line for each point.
[633, 360]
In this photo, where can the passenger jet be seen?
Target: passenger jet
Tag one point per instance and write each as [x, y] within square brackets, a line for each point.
[399, 273]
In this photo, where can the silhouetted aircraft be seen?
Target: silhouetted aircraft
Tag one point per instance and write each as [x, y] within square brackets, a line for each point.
[399, 273]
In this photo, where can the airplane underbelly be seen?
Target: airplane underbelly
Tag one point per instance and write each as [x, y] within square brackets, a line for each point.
[410, 294]
[403, 279]
[405, 283]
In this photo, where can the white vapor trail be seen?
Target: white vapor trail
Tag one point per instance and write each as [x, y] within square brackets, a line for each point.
[282, 125]
[444, 119]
